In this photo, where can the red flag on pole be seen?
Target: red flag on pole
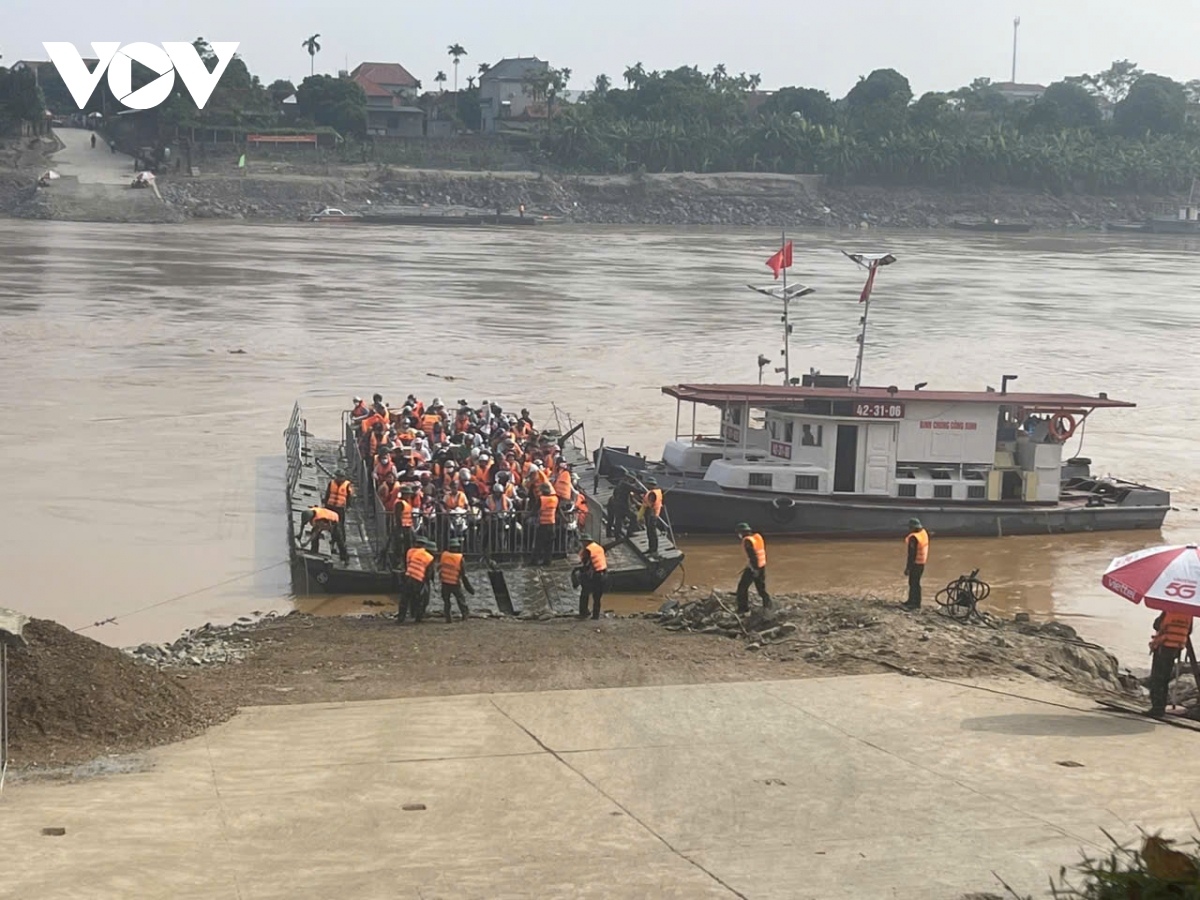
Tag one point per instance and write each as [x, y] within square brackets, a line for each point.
[781, 260]
[866, 292]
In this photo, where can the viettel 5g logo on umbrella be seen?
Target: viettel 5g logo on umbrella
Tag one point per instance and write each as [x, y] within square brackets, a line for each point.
[171, 58]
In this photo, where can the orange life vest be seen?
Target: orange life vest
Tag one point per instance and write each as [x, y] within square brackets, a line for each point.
[428, 422]
[389, 495]
[461, 424]
[359, 411]
[370, 421]
[547, 508]
[503, 506]
[653, 501]
[382, 470]
[417, 561]
[922, 539]
[581, 509]
[595, 553]
[338, 494]
[1173, 632]
[418, 409]
[562, 485]
[326, 517]
[451, 567]
[760, 550]
[406, 520]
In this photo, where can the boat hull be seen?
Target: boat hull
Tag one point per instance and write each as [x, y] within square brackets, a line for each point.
[696, 506]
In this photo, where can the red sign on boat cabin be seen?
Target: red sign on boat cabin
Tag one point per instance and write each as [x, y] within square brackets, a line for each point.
[780, 449]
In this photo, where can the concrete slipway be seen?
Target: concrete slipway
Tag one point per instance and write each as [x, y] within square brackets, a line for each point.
[873, 786]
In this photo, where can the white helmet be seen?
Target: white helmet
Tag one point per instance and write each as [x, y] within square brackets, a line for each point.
[464, 474]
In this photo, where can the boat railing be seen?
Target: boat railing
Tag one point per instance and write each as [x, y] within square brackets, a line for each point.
[294, 444]
[499, 537]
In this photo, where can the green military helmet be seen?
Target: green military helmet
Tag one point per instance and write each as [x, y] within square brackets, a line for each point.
[743, 528]
[455, 544]
[915, 524]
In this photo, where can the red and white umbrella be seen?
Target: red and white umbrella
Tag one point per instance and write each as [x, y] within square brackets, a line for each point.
[1166, 578]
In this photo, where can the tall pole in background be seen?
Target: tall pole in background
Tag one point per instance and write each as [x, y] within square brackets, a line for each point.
[787, 328]
[1016, 25]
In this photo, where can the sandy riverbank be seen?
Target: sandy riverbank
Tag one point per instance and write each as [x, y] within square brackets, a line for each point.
[104, 701]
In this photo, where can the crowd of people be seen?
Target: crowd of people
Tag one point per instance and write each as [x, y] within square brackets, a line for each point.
[471, 478]
[477, 475]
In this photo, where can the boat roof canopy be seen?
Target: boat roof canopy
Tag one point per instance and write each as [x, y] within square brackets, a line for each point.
[768, 396]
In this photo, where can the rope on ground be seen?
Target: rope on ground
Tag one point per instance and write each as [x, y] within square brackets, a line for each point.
[184, 596]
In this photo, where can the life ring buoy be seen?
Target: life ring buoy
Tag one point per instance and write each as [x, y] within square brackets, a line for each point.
[783, 510]
[1062, 426]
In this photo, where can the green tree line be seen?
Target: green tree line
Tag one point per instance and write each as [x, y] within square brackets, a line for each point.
[1120, 129]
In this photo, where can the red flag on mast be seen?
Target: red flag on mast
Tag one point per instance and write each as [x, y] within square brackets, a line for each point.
[781, 260]
[866, 292]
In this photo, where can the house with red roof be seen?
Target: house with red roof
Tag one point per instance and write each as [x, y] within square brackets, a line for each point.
[391, 91]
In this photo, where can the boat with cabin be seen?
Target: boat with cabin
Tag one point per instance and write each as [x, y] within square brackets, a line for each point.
[823, 458]
[828, 456]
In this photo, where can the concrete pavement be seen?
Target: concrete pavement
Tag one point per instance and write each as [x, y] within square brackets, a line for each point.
[825, 788]
[99, 166]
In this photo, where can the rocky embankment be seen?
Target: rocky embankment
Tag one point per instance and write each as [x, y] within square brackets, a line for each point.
[729, 200]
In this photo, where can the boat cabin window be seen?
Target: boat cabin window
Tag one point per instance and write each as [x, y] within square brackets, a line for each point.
[807, 483]
[789, 432]
[811, 435]
[735, 415]
[762, 479]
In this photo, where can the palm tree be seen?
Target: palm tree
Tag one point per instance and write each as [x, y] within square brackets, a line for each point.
[470, 82]
[457, 51]
[441, 79]
[719, 74]
[484, 68]
[313, 49]
[635, 75]
[754, 81]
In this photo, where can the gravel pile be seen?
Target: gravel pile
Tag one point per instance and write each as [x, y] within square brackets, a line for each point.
[207, 645]
[72, 698]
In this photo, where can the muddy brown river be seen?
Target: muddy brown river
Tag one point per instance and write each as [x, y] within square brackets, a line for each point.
[147, 375]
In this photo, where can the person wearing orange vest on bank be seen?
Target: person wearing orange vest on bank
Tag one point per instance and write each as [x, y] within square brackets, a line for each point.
[755, 572]
[414, 583]
[1172, 632]
[543, 538]
[652, 504]
[337, 498]
[452, 571]
[320, 520]
[917, 546]
[592, 577]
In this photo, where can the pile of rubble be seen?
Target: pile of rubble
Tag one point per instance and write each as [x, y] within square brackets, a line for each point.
[855, 634]
[208, 645]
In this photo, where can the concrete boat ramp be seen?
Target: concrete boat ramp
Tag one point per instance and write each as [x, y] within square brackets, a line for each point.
[870, 786]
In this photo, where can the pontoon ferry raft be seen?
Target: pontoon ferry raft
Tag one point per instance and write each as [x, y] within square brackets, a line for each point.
[501, 547]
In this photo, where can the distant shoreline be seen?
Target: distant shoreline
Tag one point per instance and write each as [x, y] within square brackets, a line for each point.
[291, 193]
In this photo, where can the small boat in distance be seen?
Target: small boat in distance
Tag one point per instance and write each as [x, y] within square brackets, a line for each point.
[993, 225]
[434, 217]
[334, 216]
